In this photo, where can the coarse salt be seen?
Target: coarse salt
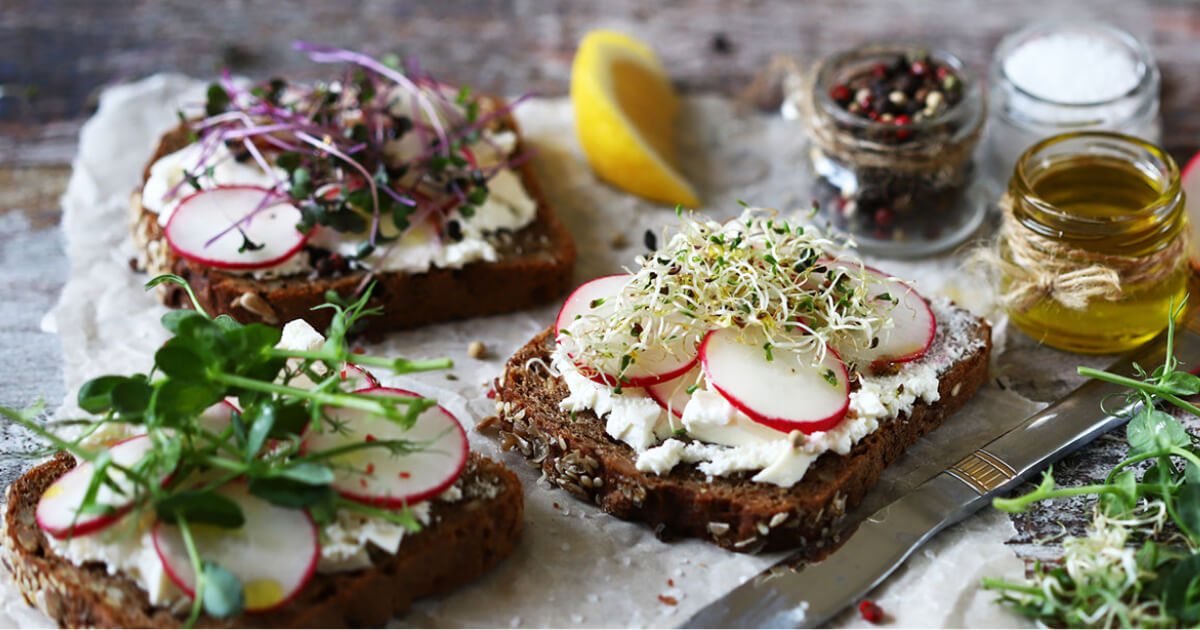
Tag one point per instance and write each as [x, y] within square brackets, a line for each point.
[1073, 68]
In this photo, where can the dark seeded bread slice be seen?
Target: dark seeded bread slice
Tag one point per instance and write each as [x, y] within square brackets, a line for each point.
[469, 537]
[534, 267]
[731, 511]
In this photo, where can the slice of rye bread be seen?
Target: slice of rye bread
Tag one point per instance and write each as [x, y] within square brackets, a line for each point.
[577, 455]
[469, 537]
[535, 266]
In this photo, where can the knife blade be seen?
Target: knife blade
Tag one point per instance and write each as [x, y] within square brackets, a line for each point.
[811, 596]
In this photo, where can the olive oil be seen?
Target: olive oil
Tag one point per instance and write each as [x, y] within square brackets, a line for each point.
[1115, 209]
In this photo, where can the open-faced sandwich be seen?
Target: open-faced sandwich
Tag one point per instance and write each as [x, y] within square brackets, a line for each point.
[745, 385]
[285, 190]
[254, 478]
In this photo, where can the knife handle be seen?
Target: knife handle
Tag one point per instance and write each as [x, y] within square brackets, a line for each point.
[1069, 423]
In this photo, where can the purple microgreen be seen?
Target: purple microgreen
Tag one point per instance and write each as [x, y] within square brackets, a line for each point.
[327, 54]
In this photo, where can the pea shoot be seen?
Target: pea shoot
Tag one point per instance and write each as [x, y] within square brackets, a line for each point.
[281, 395]
[1139, 565]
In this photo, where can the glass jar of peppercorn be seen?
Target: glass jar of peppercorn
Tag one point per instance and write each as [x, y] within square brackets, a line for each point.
[893, 130]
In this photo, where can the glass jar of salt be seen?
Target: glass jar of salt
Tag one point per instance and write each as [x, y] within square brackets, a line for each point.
[1057, 77]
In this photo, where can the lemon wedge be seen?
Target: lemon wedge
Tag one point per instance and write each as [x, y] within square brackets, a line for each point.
[625, 111]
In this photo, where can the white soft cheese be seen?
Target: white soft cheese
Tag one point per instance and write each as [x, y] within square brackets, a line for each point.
[167, 175]
[127, 547]
[726, 441]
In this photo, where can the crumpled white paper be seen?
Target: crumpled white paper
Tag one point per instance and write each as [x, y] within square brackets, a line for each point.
[575, 566]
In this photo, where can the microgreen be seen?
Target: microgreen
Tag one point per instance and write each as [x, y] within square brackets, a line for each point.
[754, 271]
[1139, 563]
[371, 152]
[211, 359]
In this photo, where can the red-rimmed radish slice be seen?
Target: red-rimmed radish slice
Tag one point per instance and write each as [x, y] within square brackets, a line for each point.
[914, 324]
[217, 417]
[662, 362]
[377, 477]
[1191, 190]
[57, 509]
[358, 377]
[271, 230]
[785, 393]
[673, 395]
[590, 298]
[273, 554]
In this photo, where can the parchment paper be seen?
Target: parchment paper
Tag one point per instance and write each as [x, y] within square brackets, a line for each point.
[575, 566]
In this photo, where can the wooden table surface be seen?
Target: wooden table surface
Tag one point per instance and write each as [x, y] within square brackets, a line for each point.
[56, 55]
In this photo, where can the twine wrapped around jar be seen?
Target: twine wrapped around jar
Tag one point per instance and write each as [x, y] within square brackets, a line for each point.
[1043, 268]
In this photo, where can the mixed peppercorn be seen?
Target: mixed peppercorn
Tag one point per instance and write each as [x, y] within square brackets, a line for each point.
[902, 91]
[912, 98]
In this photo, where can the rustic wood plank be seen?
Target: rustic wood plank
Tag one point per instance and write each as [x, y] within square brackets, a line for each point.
[67, 49]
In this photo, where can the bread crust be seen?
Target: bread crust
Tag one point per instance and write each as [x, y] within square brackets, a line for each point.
[577, 455]
[469, 537]
[535, 266]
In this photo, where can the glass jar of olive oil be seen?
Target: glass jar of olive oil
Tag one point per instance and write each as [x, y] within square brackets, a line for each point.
[1097, 236]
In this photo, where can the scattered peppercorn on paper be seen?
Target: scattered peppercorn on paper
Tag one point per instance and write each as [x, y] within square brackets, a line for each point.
[575, 565]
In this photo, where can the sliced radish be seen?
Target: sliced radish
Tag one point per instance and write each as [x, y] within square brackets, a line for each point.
[59, 506]
[1190, 181]
[273, 554]
[914, 324]
[673, 395]
[786, 393]
[358, 377]
[271, 231]
[377, 477]
[913, 327]
[217, 417]
[591, 298]
[664, 361]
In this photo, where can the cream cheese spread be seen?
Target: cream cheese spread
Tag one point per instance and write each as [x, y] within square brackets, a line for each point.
[725, 440]
[508, 207]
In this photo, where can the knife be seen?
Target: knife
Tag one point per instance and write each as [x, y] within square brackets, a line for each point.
[810, 597]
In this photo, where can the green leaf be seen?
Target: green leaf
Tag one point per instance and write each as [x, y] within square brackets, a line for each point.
[1153, 430]
[308, 473]
[1188, 508]
[200, 506]
[261, 419]
[1191, 473]
[1181, 596]
[181, 363]
[289, 493]
[96, 395]
[252, 341]
[1125, 497]
[1181, 383]
[218, 100]
[178, 402]
[301, 183]
[171, 320]
[223, 593]
[226, 323]
[291, 419]
[131, 397]
[1156, 475]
